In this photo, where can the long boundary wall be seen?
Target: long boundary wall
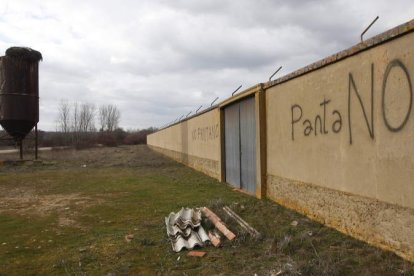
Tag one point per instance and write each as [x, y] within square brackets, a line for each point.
[194, 142]
[335, 140]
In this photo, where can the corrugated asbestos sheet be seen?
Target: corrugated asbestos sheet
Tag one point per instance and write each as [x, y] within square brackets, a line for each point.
[184, 229]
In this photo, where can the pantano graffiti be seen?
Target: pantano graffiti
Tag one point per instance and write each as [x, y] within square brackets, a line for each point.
[330, 120]
[205, 134]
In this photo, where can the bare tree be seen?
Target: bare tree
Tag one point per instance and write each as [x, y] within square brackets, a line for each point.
[109, 116]
[103, 115]
[75, 124]
[113, 118]
[75, 118]
[64, 117]
[87, 117]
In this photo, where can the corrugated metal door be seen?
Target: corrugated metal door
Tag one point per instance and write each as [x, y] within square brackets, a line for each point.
[232, 144]
[248, 145]
[240, 144]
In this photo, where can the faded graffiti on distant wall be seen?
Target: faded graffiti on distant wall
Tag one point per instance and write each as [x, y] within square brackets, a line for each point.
[205, 133]
[330, 120]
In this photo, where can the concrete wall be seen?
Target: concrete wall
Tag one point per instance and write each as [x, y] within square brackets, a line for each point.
[340, 144]
[195, 142]
[334, 140]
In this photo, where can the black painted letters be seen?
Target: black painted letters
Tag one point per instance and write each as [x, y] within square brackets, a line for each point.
[392, 64]
[294, 121]
[320, 120]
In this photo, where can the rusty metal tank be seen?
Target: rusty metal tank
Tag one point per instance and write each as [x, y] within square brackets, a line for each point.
[19, 91]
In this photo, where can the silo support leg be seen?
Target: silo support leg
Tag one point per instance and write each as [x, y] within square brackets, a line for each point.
[36, 143]
[21, 149]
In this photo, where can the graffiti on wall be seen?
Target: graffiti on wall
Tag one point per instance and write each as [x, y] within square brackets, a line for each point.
[330, 120]
[205, 134]
[318, 124]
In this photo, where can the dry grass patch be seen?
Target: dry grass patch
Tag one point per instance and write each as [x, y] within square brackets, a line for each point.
[60, 217]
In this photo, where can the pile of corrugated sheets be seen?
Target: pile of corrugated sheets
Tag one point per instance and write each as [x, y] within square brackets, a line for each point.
[184, 229]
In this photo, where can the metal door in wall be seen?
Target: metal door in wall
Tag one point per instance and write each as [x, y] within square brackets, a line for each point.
[240, 144]
[232, 144]
[248, 145]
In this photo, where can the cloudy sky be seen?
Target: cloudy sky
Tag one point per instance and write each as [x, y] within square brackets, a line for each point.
[157, 60]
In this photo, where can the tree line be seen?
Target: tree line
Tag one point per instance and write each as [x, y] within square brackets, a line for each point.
[76, 126]
[80, 117]
[83, 125]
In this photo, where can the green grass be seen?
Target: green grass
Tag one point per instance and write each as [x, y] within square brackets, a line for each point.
[129, 190]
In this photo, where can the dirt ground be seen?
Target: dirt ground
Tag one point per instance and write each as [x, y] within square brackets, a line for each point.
[69, 213]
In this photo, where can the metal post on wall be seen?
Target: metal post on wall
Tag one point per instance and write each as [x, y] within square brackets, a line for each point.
[270, 78]
[199, 108]
[367, 28]
[238, 88]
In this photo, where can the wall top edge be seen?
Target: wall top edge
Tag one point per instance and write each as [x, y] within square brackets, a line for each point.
[188, 118]
[377, 40]
[245, 93]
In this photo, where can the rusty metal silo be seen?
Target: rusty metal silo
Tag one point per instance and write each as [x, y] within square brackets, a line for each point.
[19, 92]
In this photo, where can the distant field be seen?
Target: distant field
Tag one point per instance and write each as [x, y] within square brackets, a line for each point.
[6, 148]
[70, 214]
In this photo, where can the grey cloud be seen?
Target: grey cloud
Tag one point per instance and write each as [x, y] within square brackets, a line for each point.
[157, 60]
